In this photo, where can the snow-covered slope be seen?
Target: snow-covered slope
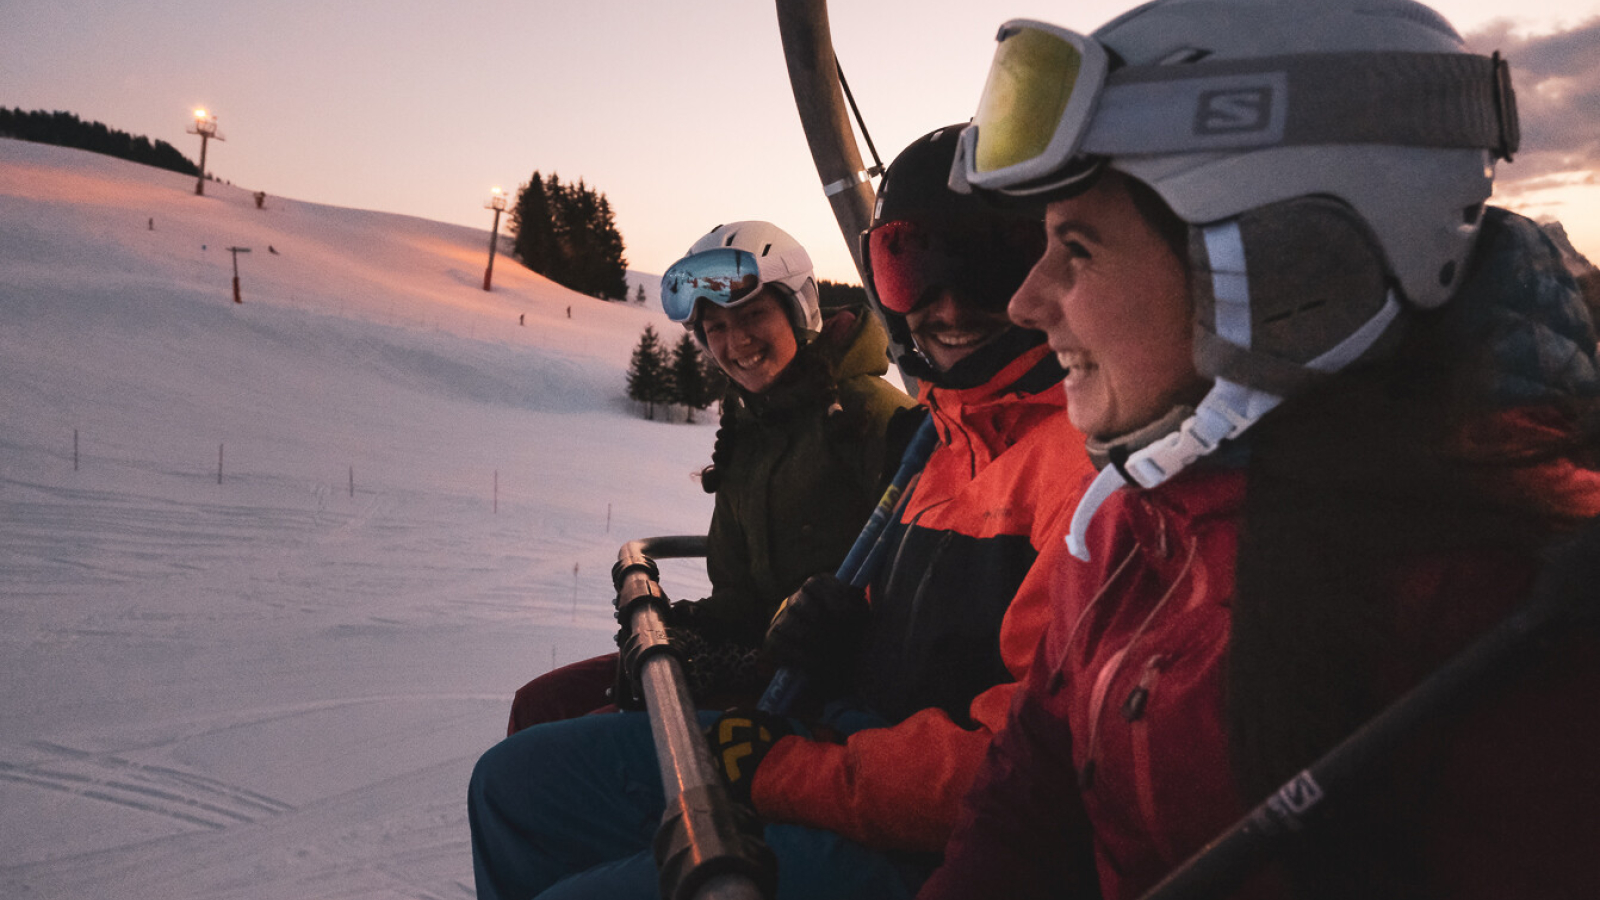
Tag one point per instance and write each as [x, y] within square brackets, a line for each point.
[275, 686]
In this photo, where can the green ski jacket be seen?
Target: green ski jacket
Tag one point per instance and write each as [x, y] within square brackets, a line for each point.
[800, 468]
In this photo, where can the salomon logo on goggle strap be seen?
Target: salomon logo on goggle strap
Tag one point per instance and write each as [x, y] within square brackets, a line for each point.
[1234, 111]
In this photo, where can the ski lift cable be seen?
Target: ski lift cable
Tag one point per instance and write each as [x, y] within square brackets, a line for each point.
[877, 164]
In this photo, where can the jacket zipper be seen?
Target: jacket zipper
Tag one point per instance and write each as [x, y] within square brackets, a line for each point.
[1134, 710]
[1108, 672]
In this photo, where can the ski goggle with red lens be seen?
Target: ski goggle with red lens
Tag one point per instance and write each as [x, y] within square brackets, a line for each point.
[725, 276]
[909, 262]
[1054, 105]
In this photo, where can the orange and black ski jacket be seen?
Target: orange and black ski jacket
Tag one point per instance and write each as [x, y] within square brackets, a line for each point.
[957, 611]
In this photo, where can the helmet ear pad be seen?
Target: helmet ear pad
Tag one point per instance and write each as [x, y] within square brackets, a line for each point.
[1278, 286]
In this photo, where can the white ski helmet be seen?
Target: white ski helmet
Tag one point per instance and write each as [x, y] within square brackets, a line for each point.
[1331, 157]
[730, 265]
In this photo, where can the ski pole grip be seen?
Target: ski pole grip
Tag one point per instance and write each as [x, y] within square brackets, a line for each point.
[862, 561]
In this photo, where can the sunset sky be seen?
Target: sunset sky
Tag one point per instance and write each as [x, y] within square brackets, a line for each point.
[681, 113]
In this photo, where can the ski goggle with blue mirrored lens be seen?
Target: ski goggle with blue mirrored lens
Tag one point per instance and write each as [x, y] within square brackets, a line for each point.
[722, 275]
[1054, 104]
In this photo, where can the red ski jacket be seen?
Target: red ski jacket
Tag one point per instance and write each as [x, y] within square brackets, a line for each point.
[1118, 741]
[1114, 765]
[958, 611]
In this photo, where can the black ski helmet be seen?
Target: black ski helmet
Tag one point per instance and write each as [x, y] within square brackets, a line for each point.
[915, 188]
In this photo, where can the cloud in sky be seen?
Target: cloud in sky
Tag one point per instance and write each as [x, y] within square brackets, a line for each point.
[1557, 81]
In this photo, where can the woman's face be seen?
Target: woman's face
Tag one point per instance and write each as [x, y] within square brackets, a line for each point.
[1113, 300]
[752, 342]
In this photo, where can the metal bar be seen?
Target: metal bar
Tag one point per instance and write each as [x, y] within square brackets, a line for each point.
[819, 99]
[684, 759]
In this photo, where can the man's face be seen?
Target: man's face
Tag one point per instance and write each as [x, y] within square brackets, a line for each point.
[948, 329]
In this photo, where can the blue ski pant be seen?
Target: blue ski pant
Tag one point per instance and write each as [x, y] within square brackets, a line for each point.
[568, 809]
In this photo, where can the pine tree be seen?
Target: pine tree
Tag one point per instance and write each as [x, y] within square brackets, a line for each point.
[572, 233]
[568, 234]
[532, 223]
[716, 379]
[689, 385]
[67, 130]
[649, 374]
[639, 296]
[836, 294]
[610, 265]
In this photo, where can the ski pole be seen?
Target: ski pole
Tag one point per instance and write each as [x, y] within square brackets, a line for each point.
[862, 561]
[1563, 597]
[703, 848]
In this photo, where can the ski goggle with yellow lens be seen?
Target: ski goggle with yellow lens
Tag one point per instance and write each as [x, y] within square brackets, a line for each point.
[725, 276]
[1056, 102]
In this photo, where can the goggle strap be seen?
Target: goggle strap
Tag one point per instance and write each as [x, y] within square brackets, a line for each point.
[1390, 98]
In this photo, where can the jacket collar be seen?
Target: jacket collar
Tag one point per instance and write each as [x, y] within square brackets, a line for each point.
[850, 345]
[1034, 372]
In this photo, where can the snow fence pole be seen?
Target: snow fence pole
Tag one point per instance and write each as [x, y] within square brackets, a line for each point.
[1563, 600]
[861, 563]
[708, 847]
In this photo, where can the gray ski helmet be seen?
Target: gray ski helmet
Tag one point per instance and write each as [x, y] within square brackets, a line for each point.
[781, 263]
[1421, 203]
[1331, 158]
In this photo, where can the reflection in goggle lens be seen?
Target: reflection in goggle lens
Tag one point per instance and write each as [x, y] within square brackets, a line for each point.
[910, 262]
[723, 275]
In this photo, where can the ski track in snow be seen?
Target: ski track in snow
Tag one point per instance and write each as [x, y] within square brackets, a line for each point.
[182, 796]
[276, 686]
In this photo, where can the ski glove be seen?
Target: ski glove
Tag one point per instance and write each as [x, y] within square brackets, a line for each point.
[739, 741]
[903, 426]
[712, 669]
[622, 692]
[682, 613]
[819, 629]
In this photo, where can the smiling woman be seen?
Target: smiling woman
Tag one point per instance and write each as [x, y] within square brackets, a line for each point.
[798, 457]
[1112, 297]
[753, 342]
[1399, 412]
[797, 469]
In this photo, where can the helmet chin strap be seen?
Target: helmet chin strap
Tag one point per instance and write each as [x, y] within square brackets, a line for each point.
[1225, 412]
